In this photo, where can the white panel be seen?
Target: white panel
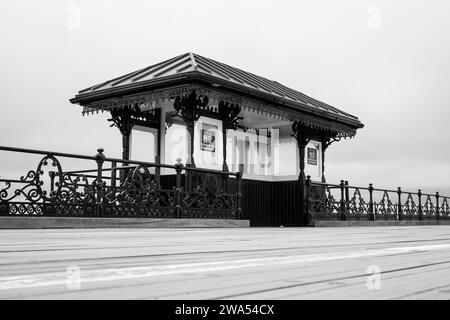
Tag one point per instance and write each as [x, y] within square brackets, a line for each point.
[313, 160]
[175, 144]
[144, 144]
[208, 143]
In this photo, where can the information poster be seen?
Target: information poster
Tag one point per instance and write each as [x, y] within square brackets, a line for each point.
[312, 156]
[208, 140]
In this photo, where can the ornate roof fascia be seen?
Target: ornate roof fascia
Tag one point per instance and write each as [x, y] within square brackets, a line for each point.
[217, 95]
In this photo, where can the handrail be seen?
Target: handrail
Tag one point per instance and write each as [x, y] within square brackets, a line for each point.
[43, 152]
[374, 189]
[96, 170]
[79, 156]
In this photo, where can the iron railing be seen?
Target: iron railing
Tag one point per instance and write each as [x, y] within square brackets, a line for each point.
[325, 201]
[128, 188]
[131, 189]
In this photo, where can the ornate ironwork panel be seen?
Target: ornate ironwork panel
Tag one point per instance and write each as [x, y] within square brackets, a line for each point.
[444, 209]
[428, 209]
[324, 206]
[410, 210]
[205, 196]
[385, 209]
[140, 195]
[48, 191]
[357, 207]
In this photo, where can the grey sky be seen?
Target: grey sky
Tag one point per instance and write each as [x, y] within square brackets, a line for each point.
[395, 78]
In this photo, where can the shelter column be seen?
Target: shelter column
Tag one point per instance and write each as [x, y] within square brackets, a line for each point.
[121, 119]
[229, 113]
[224, 147]
[189, 108]
[162, 137]
[302, 135]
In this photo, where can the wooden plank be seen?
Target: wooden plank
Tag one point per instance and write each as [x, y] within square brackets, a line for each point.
[265, 263]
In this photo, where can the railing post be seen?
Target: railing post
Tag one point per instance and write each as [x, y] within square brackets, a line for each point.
[371, 213]
[99, 158]
[52, 181]
[419, 194]
[307, 202]
[342, 187]
[113, 176]
[238, 195]
[158, 171]
[347, 198]
[178, 190]
[437, 205]
[399, 204]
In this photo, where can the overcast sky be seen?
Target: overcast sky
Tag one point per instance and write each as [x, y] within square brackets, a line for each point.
[386, 62]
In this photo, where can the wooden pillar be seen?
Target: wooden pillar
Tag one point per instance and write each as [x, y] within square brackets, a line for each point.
[323, 162]
[190, 126]
[229, 113]
[126, 142]
[121, 119]
[162, 137]
[224, 146]
[158, 137]
[189, 108]
[302, 136]
[301, 150]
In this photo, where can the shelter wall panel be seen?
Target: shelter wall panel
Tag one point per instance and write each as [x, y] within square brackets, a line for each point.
[271, 203]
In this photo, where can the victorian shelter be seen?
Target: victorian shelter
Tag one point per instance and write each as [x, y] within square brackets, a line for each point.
[205, 114]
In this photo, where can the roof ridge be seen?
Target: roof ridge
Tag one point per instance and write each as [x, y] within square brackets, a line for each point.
[193, 61]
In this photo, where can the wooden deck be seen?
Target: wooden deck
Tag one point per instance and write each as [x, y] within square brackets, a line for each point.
[256, 263]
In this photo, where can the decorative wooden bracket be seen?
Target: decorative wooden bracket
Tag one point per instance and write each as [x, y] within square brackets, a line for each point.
[189, 108]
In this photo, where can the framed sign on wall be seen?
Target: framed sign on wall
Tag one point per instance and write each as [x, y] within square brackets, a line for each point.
[208, 139]
[312, 156]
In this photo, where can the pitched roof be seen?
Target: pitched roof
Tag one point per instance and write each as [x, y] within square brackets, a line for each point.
[191, 63]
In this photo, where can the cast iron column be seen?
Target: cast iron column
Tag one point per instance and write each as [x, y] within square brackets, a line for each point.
[190, 162]
[189, 108]
[229, 113]
[301, 134]
[121, 119]
[224, 146]
[303, 138]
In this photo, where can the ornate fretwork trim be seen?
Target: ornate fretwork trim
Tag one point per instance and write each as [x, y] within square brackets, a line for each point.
[304, 134]
[333, 130]
[121, 119]
[229, 113]
[125, 118]
[145, 98]
[189, 107]
[221, 96]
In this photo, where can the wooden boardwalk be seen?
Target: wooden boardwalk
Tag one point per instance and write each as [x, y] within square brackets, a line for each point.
[255, 263]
